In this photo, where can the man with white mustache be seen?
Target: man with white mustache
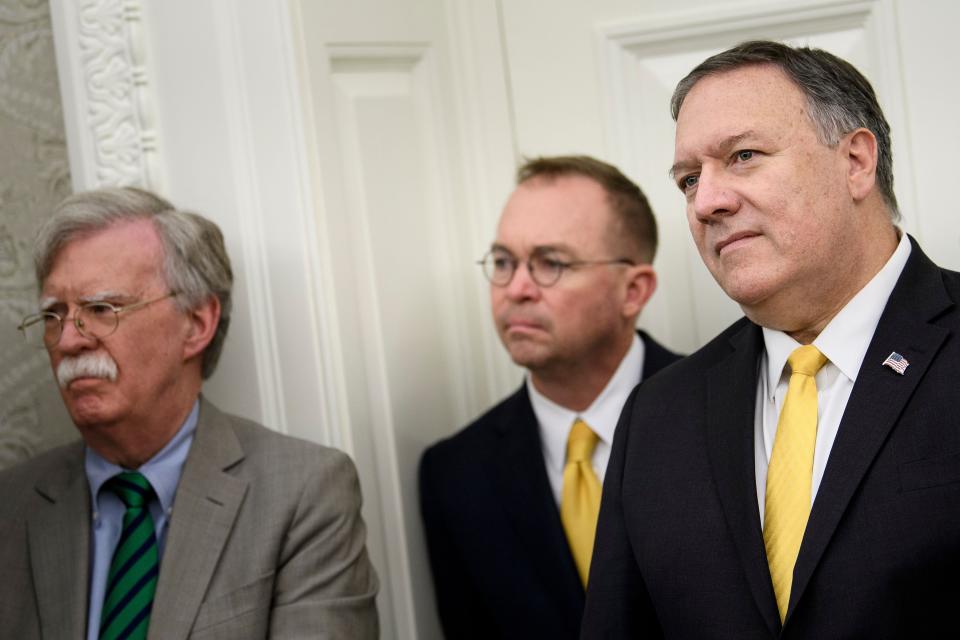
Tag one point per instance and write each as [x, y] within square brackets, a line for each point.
[169, 519]
[510, 503]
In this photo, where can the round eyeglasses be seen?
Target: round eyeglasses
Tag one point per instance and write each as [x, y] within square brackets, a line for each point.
[499, 267]
[92, 320]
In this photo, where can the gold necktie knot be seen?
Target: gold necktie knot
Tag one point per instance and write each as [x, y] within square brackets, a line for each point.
[581, 442]
[806, 360]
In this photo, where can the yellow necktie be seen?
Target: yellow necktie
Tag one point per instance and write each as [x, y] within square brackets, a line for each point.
[790, 472]
[580, 501]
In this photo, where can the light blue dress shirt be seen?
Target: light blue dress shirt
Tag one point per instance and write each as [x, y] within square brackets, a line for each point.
[163, 471]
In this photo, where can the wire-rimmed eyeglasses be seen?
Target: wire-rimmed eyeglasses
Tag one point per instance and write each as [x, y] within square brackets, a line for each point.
[92, 319]
[545, 269]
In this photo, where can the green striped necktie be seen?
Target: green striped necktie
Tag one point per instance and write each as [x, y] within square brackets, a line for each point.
[133, 572]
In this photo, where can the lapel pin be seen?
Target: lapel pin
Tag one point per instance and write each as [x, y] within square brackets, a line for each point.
[896, 362]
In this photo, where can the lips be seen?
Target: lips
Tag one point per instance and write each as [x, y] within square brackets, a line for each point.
[733, 238]
[522, 325]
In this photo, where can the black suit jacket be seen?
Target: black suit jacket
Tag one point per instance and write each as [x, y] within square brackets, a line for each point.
[501, 564]
[679, 549]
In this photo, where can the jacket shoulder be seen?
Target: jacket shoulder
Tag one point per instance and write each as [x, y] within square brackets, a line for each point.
[482, 433]
[683, 373]
[270, 452]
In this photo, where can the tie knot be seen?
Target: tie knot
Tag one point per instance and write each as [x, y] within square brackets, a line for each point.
[581, 442]
[131, 487]
[806, 360]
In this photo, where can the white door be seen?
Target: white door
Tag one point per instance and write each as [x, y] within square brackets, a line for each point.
[409, 171]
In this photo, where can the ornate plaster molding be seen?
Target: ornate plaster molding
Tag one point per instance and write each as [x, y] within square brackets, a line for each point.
[107, 48]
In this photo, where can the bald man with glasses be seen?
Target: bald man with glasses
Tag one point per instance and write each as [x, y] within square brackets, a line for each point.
[510, 502]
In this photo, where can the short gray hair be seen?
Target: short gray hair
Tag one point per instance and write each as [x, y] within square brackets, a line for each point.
[839, 98]
[195, 266]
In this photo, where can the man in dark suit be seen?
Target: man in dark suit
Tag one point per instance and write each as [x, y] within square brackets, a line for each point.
[169, 519]
[799, 476]
[510, 503]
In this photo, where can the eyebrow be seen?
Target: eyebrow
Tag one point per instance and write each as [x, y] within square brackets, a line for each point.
[48, 302]
[102, 296]
[538, 249]
[719, 149]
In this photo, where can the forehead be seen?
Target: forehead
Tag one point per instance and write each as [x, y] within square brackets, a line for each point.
[568, 211]
[126, 255]
[758, 99]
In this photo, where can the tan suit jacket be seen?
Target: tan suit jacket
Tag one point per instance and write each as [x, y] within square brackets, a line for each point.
[265, 541]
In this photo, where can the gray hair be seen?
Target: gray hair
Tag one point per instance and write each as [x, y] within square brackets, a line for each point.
[196, 265]
[839, 98]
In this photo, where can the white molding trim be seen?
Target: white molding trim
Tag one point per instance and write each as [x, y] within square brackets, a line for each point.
[249, 213]
[325, 340]
[732, 18]
[620, 43]
[344, 59]
[489, 157]
[108, 112]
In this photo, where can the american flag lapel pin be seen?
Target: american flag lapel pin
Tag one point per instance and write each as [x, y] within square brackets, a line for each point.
[896, 362]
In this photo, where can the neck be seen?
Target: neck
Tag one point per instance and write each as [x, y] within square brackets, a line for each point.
[575, 386]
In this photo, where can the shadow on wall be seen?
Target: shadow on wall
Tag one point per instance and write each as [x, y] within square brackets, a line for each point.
[34, 176]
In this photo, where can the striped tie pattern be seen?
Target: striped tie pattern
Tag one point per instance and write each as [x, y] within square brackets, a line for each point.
[133, 572]
[790, 473]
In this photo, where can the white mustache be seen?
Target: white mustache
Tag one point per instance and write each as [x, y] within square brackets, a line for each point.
[88, 365]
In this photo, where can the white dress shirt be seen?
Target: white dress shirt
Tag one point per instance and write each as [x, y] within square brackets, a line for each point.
[844, 341]
[602, 415]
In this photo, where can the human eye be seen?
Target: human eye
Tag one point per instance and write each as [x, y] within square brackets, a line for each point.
[688, 183]
[98, 309]
[549, 266]
[502, 261]
[48, 318]
[744, 155]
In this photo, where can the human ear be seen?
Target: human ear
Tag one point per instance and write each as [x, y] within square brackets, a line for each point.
[860, 152]
[641, 283]
[203, 321]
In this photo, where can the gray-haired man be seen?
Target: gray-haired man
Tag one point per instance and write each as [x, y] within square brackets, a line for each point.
[170, 518]
[799, 476]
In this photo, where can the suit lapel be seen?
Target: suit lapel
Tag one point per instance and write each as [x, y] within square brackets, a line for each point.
[878, 398]
[204, 510]
[731, 403]
[59, 547]
[524, 491]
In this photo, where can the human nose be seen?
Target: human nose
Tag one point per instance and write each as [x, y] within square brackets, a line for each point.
[522, 285]
[714, 196]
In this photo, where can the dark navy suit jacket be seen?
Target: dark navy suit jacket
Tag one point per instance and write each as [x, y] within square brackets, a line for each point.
[501, 564]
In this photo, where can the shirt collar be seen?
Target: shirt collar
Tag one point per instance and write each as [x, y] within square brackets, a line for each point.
[602, 415]
[845, 340]
[162, 470]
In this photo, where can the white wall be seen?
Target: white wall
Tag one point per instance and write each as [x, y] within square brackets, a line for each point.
[357, 154]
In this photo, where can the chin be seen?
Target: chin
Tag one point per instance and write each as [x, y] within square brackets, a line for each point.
[88, 411]
[526, 355]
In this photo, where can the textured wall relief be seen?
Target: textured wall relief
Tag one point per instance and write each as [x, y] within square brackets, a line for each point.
[34, 176]
[111, 49]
